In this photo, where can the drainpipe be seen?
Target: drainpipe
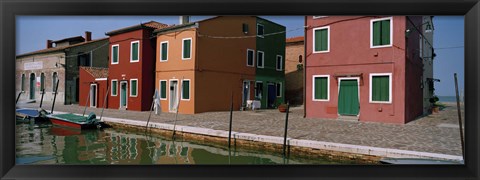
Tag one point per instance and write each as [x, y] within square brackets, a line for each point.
[305, 69]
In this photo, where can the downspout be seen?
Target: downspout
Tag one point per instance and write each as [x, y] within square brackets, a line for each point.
[196, 61]
[305, 69]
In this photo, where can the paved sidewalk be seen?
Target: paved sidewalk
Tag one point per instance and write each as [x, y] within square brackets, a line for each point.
[437, 133]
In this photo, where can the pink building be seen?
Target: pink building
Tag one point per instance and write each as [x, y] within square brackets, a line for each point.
[365, 68]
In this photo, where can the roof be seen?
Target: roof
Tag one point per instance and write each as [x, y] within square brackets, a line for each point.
[61, 48]
[76, 38]
[295, 39]
[150, 25]
[96, 72]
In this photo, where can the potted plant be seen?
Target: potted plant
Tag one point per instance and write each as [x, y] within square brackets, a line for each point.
[434, 101]
[282, 107]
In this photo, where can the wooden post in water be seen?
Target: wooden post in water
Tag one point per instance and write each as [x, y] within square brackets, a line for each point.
[18, 97]
[459, 115]
[41, 100]
[230, 124]
[176, 113]
[151, 109]
[286, 129]
[104, 101]
[55, 96]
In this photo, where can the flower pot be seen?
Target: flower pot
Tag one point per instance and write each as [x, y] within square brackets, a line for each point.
[282, 109]
[436, 109]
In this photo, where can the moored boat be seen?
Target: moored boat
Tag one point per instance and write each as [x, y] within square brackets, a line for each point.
[76, 121]
[26, 114]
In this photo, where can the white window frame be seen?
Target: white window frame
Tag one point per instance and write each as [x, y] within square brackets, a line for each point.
[391, 32]
[255, 86]
[183, 48]
[160, 57]
[96, 95]
[263, 59]
[281, 87]
[328, 39]
[253, 58]
[318, 17]
[389, 86]
[136, 89]
[160, 89]
[118, 54]
[189, 90]
[258, 24]
[111, 85]
[328, 88]
[131, 51]
[281, 62]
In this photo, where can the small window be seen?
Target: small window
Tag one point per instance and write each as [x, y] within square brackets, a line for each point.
[115, 54]
[279, 89]
[54, 81]
[279, 63]
[23, 83]
[321, 39]
[163, 89]
[258, 89]
[318, 17]
[260, 30]
[133, 87]
[380, 88]
[164, 51]
[250, 57]
[321, 88]
[260, 59]
[134, 51]
[114, 87]
[186, 90]
[381, 32]
[187, 48]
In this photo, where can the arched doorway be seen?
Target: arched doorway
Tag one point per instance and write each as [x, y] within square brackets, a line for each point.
[32, 86]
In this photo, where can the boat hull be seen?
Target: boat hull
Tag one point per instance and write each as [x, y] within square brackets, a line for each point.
[77, 125]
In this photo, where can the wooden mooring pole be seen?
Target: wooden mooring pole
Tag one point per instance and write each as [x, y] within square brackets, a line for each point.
[459, 116]
[104, 101]
[286, 130]
[41, 100]
[86, 102]
[230, 124]
[178, 105]
[55, 96]
[151, 109]
[18, 97]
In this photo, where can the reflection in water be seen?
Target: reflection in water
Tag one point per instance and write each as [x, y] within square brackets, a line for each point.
[46, 144]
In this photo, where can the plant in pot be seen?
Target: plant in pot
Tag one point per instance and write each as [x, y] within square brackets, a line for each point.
[282, 107]
[435, 107]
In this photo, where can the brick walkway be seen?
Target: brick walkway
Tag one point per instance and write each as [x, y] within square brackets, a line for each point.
[437, 133]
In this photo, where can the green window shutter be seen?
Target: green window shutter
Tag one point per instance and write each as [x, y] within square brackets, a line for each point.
[114, 88]
[163, 89]
[164, 51]
[376, 33]
[380, 88]
[186, 90]
[115, 54]
[385, 32]
[321, 90]
[23, 82]
[135, 51]
[186, 48]
[134, 87]
[318, 40]
[324, 37]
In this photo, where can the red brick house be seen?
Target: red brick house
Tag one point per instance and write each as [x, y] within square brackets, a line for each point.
[132, 66]
[93, 85]
[365, 68]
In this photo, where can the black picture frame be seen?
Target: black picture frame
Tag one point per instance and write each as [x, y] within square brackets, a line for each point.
[9, 9]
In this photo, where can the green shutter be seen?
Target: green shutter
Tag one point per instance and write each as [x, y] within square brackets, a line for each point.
[385, 32]
[324, 42]
[115, 54]
[186, 48]
[134, 87]
[376, 33]
[380, 88]
[321, 90]
[23, 82]
[163, 89]
[186, 90]
[164, 51]
[114, 88]
[317, 40]
[135, 51]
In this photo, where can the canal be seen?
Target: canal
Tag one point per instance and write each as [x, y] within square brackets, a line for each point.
[47, 144]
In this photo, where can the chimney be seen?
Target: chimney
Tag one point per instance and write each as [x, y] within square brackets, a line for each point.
[49, 43]
[88, 36]
[184, 19]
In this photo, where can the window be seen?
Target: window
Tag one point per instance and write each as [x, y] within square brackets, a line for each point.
[134, 51]
[318, 17]
[279, 63]
[163, 89]
[42, 82]
[381, 88]
[258, 89]
[250, 57]
[23, 83]
[115, 51]
[54, 81]
[133, 87]
[279, 89]
[381, 32]
[83, 59]
[186, 90]
[164, 51]
[114, 87]
[187, 48]
[321, 88]
[321, 39]
[260, 59]
[260, 30]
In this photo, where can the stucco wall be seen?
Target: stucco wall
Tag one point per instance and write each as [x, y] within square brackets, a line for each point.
[293, 76]
[84, 84]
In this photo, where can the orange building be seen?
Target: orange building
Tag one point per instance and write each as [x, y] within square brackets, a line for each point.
[198, 67]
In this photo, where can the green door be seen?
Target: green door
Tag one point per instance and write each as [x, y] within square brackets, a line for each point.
[348, 103]
[123, 94]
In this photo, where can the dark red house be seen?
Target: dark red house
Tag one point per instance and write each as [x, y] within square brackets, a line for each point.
[93, 86]
[367, 68]
[132, 66]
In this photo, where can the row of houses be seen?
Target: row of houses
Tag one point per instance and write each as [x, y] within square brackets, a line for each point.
[366, 68]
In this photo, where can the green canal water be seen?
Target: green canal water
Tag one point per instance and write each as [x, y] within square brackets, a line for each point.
[47, 144]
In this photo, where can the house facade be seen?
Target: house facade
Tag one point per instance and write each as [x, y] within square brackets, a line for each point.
[365, 68]
[94, 86]
[60, 60]
[294, 52]
[131, 66]
[201, 65]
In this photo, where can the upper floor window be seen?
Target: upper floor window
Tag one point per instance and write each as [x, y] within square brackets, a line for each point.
[187, 48]
[279, 63]
[134, 51]
[164, 51]
[260, 30]
[260, 59]
[321, 39]
[381, 32]
[114, 55]
[250, 57]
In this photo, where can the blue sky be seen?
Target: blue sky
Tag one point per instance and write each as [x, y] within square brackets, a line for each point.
[33, 31]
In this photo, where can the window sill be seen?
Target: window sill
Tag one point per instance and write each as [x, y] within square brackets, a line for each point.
[381, 46]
